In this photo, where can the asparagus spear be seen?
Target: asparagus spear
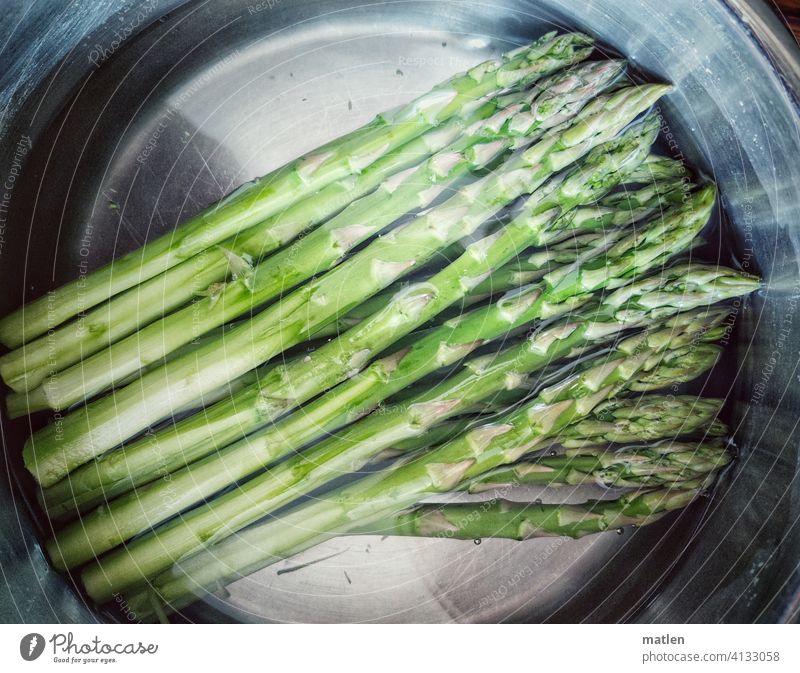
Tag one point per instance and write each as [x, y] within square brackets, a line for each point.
[496, 518]
[416, 305]
[372, 500]
[626, 420]
[438, 434]
[658, 168]
[57, 449]
[308, 471]
[524, 521]
[630, 420]
[520, 119]
[664, 463]
[276, 191]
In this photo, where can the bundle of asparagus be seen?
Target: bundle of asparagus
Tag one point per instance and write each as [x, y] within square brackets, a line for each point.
[370, 501]
[458, 285]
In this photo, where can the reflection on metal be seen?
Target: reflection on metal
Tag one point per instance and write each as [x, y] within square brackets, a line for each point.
[216, 93]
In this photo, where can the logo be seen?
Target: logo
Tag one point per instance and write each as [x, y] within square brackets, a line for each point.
[31, 646]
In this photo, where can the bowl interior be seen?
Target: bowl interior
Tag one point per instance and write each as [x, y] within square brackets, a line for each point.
[214, 94]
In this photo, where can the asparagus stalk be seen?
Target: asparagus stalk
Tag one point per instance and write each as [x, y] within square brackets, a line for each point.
[630, 420]
[276, 191]
[627, 420]
[664, 463]
[436, 435]
[372, 500]
[57, 449]
[657, 168]
[308, 471]
[524, 521]
[413, 307]
[615, 421]
[521, 119]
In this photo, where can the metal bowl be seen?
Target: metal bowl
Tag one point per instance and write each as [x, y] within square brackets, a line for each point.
[121, 119]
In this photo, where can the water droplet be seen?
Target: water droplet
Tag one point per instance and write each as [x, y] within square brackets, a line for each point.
[477, 540]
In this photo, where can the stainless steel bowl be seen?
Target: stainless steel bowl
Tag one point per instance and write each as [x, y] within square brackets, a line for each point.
[120, 119]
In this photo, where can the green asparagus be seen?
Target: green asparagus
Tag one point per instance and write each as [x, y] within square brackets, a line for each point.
[659, 464]
[524, 521]
[630, 420]
[658, 169]
[663, 463]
